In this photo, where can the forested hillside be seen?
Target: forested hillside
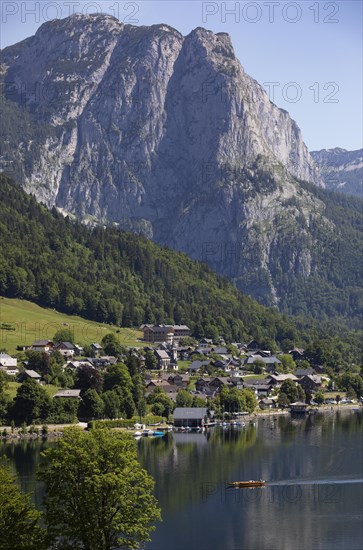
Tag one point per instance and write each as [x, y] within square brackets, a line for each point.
[121, 278]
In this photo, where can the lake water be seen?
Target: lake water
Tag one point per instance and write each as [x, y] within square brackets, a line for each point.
[313, 499]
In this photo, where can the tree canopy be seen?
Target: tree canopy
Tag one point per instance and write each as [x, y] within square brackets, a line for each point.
[98, 497]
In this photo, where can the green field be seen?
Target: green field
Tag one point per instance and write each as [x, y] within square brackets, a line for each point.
[12, 387]
[32, 322]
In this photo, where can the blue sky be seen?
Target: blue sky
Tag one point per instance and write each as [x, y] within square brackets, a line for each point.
[311, 50]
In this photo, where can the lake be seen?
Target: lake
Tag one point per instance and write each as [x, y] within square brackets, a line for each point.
[313, 499]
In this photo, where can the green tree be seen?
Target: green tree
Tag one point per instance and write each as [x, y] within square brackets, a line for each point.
[288, 363]
[150, 360]
[184, 399]
[290, 390]
[31, 403]
[19, 520]
[64, 335]
[112, 404]
[98, 497]
[111, 346]
[319, 397]
[92, 406]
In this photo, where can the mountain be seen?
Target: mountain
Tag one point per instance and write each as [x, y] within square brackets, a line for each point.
[167, 136]
[112, 276]
[341, 170]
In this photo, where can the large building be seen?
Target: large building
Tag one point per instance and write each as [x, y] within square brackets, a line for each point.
[165, 333]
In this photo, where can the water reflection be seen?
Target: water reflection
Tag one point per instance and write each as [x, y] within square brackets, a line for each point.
[313, 498]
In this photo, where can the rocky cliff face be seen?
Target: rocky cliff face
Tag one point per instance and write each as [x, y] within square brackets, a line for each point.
[341, 170]
[165, 135]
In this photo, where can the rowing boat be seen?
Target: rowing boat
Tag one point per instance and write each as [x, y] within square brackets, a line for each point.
[251, 483]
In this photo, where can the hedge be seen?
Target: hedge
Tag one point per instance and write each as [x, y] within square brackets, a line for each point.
[122, 423]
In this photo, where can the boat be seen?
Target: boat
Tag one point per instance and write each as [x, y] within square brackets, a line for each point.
[148, 432]
[137, 434]
[158, 434]
[250, 483]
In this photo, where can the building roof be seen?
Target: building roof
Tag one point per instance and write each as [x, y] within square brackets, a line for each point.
[162, 354]
[66, 345]
[32, 373]
[190, 413]
[282, 377]
[68, 393]
[42, 343]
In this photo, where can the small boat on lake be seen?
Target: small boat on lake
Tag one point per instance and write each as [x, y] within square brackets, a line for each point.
[158, 434]
[250, 483]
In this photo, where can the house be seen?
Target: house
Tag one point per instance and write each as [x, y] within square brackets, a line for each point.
[268, 361]
[30, 374]
[310, 383]
[253, 345]
[205, 343]
[165, 333]
[197, 365]
[7, 361]
[11, 371]
[267, 403]
[97, 348]
[298, 407]
[193, 417]
[75, 394]
[202, 384]
[237, 382]
[65, 348]
[77, 364]
[163, 359]
[42, 346]
[220, 350]
[297, 354]
[216, 384]
[179, 380]
[278, 379]
[260, 387]
[304, 372]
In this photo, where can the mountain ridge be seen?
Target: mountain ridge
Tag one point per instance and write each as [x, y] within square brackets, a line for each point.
[167, 136]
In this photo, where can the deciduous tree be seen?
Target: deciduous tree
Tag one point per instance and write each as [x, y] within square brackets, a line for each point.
[98, 497]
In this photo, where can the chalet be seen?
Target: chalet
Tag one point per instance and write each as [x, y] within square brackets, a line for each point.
[42, 346]
[253, 345]
[310, 383]
[96, 348]
[278, 379]
[64, 348]
[179, 380]
[205, 343]
[7, 361]
[216, 384]
[193, 417]
[220, 350]
[30, 374]
[197, 365]
[74, 394]
[77, 364]
[268, 361]
[297, 354]
[304, 372]
[165, 333]
[237, 382]
[163, 359]
[158, 383]
[261, 387]
[201, 384]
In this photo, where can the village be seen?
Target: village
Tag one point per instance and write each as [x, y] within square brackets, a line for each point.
[197, 376]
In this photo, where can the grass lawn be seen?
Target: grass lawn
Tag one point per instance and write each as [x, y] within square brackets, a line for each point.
[13, 386]
[183, 365]
[32, 322]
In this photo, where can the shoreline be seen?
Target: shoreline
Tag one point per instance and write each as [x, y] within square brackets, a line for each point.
[55, 431]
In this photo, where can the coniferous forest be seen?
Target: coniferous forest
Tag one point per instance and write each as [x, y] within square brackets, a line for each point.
[121, 278]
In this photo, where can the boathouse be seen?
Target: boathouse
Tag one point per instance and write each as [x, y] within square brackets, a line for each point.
[192, 417]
